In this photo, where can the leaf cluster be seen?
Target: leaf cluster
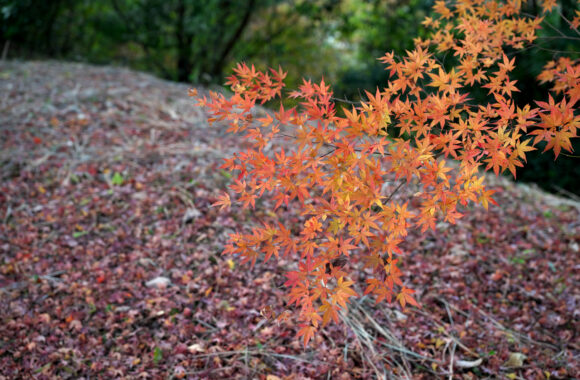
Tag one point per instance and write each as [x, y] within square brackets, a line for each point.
[344, 171]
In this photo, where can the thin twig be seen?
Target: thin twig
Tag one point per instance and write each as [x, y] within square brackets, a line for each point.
[450, 336]
[568, 21]
[442, 300]
[451, 361]
[567, 193]
[514, 333]
[394, 192]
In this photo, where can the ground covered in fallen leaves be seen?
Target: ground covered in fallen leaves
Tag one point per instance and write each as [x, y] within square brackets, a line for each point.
[111, 265]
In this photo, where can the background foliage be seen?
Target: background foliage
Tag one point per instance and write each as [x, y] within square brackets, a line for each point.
[199, 41]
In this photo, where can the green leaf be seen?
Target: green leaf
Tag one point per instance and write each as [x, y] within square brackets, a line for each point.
[157, 355]
[78, 234]
[43, 368]
[117, 179]
[92, 308]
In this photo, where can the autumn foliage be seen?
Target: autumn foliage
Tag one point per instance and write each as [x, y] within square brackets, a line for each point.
[343, 171]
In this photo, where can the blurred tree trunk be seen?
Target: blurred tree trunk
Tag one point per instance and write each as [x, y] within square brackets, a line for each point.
[184, 41]
[218, 66]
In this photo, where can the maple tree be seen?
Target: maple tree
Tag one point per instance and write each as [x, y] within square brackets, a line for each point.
[344, 171]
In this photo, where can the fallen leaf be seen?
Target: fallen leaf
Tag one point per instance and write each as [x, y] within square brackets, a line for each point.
[195, 348]
[158, 282]
[157, 355]
[191, 214]
[117, 179]
[179, 372]
[515, 360]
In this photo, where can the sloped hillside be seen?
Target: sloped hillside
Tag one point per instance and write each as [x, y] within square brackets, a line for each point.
[110, 263]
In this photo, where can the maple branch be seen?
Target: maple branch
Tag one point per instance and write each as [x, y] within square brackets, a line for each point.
[569, 155]
[346, 101]
[427, 106]
[327, 153]
[394, 192]
[568, 21]
[537, 46]
[552, 27]
[564, 37]
[334, 147]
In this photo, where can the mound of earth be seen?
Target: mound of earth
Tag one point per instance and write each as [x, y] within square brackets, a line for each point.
[111, 262]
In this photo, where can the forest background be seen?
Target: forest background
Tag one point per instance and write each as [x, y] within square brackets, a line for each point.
[198, 42]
